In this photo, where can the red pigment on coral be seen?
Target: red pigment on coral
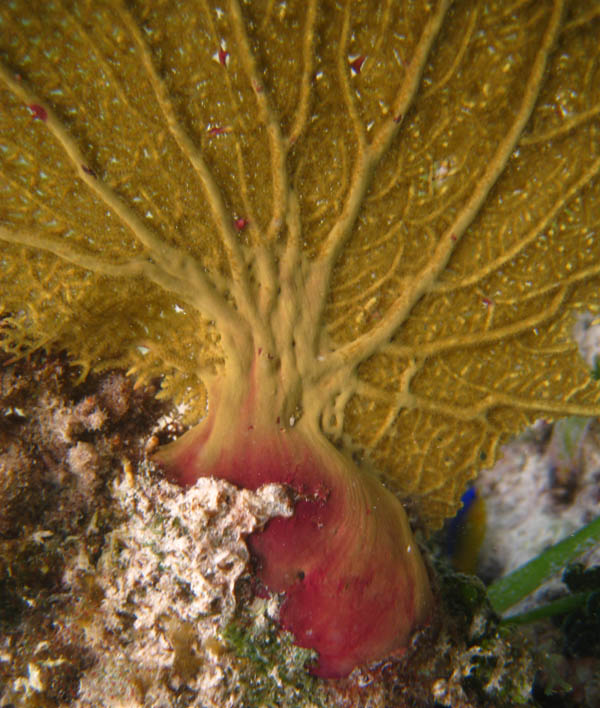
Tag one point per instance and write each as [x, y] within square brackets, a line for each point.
[223, 55]
[38, 111]
[219, 130]
[357, 64]
[355, 585]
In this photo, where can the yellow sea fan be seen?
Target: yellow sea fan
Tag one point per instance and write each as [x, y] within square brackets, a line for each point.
[395, 202]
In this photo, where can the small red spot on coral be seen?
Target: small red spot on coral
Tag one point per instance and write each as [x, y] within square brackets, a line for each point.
[486, 301]
[219, 130]
[259, 351]
[250, 427]
[38, 111]
[223, 55]
[453, 237]
[356, 63]
[257, 87]
[240, 225]
[398, 118]
[89, 171]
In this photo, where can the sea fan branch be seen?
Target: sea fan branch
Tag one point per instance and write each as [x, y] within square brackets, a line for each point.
[269, 118]
[564, 128]
[476, 339]
[479, 410]
[401, 172]
[216, 308]
[307, 70]
[321, 271]
[157, 247]
[289, 262]
[343, 303]
[88, 261]
[577, 277]
[584, 19]
[510, 253]
[459, 55]
[278, 150]
[361, 348]
[171, 265]
[410, 84]
[99, 59]
[343, 75]
[216, 203]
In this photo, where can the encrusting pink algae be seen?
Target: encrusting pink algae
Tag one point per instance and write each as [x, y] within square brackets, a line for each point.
[348, 238]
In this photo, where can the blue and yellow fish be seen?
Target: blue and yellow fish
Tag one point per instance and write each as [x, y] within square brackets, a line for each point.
[465, 532]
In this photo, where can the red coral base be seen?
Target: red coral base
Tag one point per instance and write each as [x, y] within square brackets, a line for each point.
[354, 582]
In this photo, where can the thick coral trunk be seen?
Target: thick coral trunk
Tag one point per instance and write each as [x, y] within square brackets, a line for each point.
[354, 582]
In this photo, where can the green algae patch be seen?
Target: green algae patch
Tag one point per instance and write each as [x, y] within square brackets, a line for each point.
[272, 670]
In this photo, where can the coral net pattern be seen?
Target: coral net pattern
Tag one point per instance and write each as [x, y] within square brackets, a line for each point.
[396, 201]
